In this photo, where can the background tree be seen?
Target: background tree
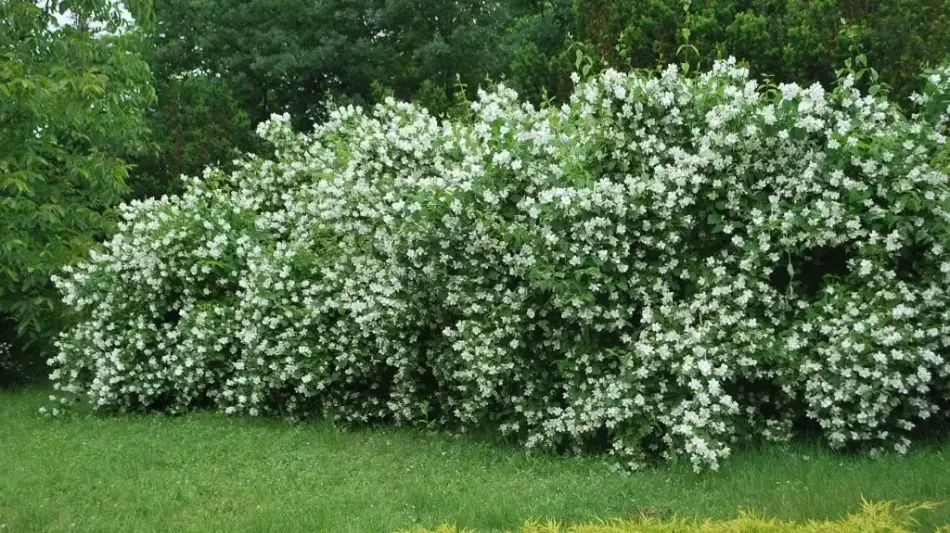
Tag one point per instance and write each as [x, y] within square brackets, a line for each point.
[222, 66]
[291, 55]
[790, 40]
[196, 121]
[537, 50]
[72, 98]
[275, 55]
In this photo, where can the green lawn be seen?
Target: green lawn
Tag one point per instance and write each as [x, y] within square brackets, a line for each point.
[205, 473]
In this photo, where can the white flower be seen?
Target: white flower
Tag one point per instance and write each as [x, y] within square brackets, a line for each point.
[671, 262]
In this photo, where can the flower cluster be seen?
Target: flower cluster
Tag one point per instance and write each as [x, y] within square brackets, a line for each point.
[661, 267]
[15, 368]
[6, 352]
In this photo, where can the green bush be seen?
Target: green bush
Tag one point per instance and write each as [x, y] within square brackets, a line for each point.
[661, 267]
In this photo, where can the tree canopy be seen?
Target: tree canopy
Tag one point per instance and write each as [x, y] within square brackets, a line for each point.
[72, 97]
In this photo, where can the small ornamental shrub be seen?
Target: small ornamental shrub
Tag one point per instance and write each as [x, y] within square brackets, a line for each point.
[661, 267]
[873, 517]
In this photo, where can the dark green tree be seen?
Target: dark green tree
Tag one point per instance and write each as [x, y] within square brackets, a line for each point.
[790, 40]
[195, 122]
[537, 49]
[291, 55]
[276, 55]
[222, 66]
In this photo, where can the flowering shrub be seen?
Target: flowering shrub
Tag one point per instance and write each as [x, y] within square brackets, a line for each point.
[662, 266]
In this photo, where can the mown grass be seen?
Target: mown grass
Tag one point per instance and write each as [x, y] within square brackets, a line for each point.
[205, 472]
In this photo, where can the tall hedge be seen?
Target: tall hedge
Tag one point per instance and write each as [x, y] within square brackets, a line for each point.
[661, 267]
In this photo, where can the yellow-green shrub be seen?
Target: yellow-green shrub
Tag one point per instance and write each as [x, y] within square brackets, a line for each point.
[873, 518]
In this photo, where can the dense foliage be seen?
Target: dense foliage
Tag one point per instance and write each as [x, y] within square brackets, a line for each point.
[222, 66]
[267, 56]
[196, 121]
[791, 40]
[289, 56]
[71, 102]
[662, 266]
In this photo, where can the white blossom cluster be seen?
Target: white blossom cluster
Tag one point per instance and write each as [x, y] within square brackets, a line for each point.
[661, 267]
[14, 368]
[5, 355]
[934, 103]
